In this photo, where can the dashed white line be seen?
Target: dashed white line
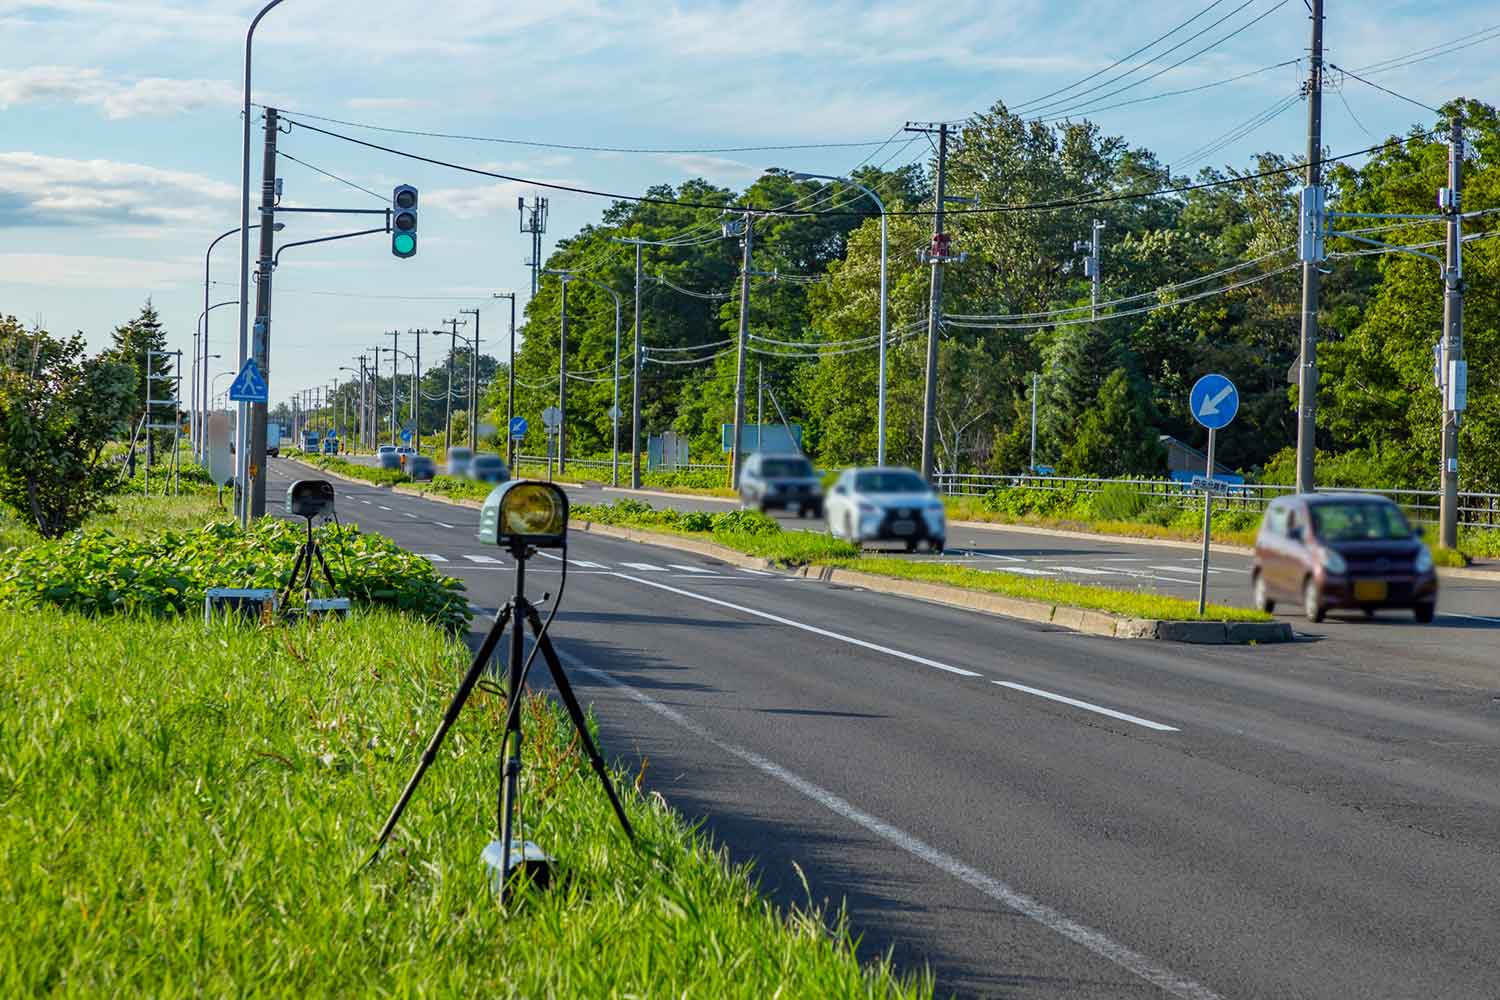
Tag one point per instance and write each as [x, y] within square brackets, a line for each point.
[364, 501]
[382, 506]
[485, 560]
[826, 633]
[690, 569]
[586, 564]
[755, 572]
[1182, 569]
[1033, 909]
[1089, 707]
[440, 524]
[433, 557]
[405, 514]
[647, 567]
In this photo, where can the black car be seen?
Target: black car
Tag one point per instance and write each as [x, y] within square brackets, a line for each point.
[421, 467]
[769, 482]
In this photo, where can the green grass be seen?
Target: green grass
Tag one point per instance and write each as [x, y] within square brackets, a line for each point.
[134, 516]
[353, 470]
[186, 810]
[1186, 527]
[1129, 603]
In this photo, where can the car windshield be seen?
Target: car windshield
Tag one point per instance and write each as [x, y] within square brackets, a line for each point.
[1359, 521]
[486, 461]
[889, 481]
[385, 448]
[786, 468]
[459, 453]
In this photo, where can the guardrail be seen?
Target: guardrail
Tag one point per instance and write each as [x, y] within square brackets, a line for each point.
[604, 463]
[1480, 510]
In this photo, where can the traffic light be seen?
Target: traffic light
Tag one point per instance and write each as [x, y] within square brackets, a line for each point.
[404, 221]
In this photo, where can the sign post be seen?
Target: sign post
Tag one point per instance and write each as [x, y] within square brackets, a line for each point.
[1214, 401]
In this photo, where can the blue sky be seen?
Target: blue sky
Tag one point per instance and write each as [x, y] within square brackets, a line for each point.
[120, 133]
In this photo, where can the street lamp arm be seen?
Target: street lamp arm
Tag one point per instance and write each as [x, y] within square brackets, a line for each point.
[276, 261]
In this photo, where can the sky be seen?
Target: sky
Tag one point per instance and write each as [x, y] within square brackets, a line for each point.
[120, 133]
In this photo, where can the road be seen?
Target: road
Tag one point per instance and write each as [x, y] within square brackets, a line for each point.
[1036, 813]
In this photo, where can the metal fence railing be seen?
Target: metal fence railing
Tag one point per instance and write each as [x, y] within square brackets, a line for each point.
[1474, 509]
[604, 463]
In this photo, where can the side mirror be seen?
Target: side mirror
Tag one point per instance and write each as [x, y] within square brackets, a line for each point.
[1295, 533]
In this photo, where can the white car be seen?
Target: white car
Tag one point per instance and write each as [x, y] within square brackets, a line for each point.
[886, 504]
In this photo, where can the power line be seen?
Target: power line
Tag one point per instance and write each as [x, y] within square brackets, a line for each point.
[1172, 93]
[288, 156]
[1387, 90]
[1433, 51]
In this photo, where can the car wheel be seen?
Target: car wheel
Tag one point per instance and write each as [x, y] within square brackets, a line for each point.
[817, 510]
[1312, 605]
[849, 530]
[911, 545]
[939, 546]
[1369, 611]
[801, 512]
[1261, 600]
[1424, 613]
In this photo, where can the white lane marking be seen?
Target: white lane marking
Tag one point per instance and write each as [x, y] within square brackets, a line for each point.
[488, 560]
[382, 506]
[1034, 909]
[1024, 571]
[1090, 707]
[433, 557]
[586, 564]
[646, 567]
[1089, 571]
[549, 555]
[1181, 569]
[815, 630]
[405, 514]
[1125, 559]
[1472, 618]
[364, 501]
[690, 569]
[755, 572]
[440, 524]
[991, 555]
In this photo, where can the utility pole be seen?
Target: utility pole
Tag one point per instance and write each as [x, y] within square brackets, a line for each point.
[1307, 372]
[395, 336]
[1092, 268]
[1454, 369]
[937, 258]
[635, 374]
[534, 221]
[252, 456]
[1036, 379]
[510, 396]
[736, 456]
[562, 377]
[452, 350]
[474, 376]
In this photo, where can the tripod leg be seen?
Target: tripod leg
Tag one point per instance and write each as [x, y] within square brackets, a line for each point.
[575, 712]
[510, 754]
[327, 573]
[296, 569]
[465, 687]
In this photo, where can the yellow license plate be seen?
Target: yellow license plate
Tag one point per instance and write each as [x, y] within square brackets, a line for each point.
[1369, 590]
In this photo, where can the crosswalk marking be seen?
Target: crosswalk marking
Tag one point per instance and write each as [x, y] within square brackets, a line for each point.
[644, 566]
[585, 564]
[433, 557]
[486, 560]
[1182, 569]
[757, 572]
[690, 569]
[1024, 570]
[1087, 570]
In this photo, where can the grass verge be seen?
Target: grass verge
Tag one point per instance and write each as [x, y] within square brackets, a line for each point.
[1127, 603]
[186, 811]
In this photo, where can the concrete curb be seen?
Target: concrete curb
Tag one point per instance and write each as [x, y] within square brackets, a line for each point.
[1083, 620]
[1095, 536]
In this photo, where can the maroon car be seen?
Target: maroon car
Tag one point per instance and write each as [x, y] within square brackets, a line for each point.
[1342, 550]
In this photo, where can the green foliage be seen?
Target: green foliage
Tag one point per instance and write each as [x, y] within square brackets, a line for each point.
[354, 470]
[131, 341]
[95, 571]
[1115, 436]
[1018, 501]
[745, 522]
[1118, 502]
[58, 409]
[187, 809]
[745, 531]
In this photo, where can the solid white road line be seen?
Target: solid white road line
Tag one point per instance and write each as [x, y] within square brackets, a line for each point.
[1088, 571]
[585, 564]
[1089, 707]
[1024, 571]
[991, 555]
[1034, 909]
[1182, 569]
[1472, 618]
[851, 640]
[549, 555]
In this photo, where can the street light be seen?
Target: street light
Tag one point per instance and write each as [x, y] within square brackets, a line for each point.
[614, 473]
[359, 423]
[395, 395]
[880, 405]
[200, 335]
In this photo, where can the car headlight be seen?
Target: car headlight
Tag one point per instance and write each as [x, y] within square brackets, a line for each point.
[1424, 560]
[1333, 562]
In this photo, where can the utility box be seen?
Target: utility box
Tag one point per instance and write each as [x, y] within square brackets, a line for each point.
[248, 604]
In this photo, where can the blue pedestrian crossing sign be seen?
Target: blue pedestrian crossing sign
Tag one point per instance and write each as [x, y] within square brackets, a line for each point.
[518, 427]
[1214, 401]
[249, 386]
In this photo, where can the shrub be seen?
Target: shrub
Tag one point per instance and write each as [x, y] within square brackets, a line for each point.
[99, 572]
[1118, 502]
[745, 522]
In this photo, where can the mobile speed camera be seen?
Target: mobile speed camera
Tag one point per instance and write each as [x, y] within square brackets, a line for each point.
[525, 513]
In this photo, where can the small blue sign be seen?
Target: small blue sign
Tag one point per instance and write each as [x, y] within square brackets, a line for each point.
[1214, 401]
[249, 386]
[406, 435]
[518, 427]
[331, 433]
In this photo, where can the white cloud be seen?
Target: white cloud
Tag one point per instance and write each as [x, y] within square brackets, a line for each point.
[714, 168]
[386, 103]
[37, 190]
[147, 96]
[476, 202]
[56, 270]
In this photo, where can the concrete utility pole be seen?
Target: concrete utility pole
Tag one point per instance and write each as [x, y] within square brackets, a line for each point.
[1307, 372]
[1035, 381]
[1092, 268]
[534, 221]
[253, 456]
[736, 456]
[416, 392]
[937, 258]
[455, 323]
[474, 375]
[635, 374]
[510, 396]
[395, 336]
[562, 377]
[1454, 368]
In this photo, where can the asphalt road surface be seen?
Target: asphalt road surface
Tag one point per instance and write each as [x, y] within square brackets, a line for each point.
[1036, 813]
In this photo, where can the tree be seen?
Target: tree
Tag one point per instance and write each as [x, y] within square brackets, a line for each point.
[58, 408]
[1115, 436]
[132, 340]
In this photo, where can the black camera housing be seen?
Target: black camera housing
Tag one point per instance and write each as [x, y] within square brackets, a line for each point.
[309, 498]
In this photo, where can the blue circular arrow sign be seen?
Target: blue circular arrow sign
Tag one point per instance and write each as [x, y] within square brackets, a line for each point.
[1214, 401]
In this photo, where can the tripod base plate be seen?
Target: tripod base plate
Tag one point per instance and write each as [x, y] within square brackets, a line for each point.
[524, 857]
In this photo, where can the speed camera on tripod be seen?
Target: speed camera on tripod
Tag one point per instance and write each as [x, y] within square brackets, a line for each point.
[309, 498]
[525, 513]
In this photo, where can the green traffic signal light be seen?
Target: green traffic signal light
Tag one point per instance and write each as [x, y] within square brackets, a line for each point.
[403, 221]
[405, 244]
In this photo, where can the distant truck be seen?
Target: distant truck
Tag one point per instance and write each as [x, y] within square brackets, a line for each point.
[310, 442]
[273, 439]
